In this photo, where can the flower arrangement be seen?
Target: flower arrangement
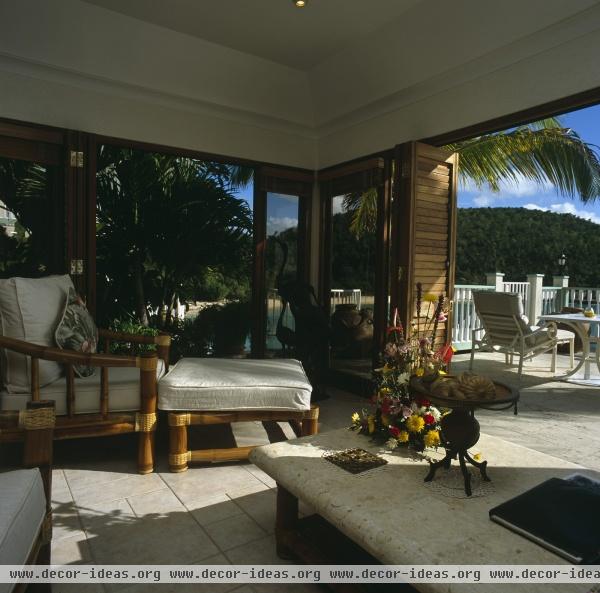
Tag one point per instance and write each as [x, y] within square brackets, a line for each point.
[399, 417]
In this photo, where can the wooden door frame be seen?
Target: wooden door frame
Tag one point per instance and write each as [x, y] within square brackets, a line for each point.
[269, 179]
[359, 175]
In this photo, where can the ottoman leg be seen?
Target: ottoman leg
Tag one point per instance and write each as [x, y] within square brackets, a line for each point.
[179, 455]
[310, 422]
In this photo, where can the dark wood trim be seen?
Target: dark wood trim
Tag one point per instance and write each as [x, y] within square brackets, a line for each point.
[403, 238]
[382, 263]
[258, 269]
[525, 116]
[90, 170]
[452, 229]
[351, 168]
[31, 131]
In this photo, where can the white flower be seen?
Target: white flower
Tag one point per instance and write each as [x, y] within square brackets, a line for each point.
[435, 413]
[422, 411]
[414, 407]
[403, 378]
[391, 443]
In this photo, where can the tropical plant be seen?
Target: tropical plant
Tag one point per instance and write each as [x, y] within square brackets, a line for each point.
[545, 152]
[162, 223]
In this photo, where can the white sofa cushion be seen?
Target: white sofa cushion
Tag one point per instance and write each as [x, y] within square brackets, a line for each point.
[235, 384]
[30, 310]
[123, 392]
[22, 510]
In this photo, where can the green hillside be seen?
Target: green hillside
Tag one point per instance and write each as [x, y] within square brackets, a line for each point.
[518, 242]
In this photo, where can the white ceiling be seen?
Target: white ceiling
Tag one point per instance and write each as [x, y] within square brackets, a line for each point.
[272, 29]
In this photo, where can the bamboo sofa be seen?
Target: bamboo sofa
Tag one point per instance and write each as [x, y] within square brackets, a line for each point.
[25, 507]
[119, 398]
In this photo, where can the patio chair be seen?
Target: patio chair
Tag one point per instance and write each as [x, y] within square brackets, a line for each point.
[506, 329]
[119, 395]
[26, 512]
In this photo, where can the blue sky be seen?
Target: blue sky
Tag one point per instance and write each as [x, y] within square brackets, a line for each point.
[525, 194]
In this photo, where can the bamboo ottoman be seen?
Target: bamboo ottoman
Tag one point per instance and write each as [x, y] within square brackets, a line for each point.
[203, 391]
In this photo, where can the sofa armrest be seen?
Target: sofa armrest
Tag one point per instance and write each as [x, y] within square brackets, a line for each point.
[162, 342]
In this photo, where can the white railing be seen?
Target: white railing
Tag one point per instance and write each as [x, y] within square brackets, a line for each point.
[464, 318]
[521, 288]
[341, 296]
[551, 299]
[582, 297]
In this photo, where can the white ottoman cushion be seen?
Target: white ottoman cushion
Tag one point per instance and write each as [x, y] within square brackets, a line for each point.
[22, 510]
[224, 384]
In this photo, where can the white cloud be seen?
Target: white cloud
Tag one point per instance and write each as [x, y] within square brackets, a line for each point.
[566, 208]
[483, 200]
[535, 207]
[569, 208]
[278, 224]
[520, 188]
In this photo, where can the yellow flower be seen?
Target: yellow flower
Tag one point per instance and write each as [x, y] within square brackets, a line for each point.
[371, 424]
[415, 423]
[477, 457]
[440, 372]
[385, 391]
[420, 372]
[385, 420]
[429, 297]
[386, 370]
[432, 438]
[402, 436]
[356, 418]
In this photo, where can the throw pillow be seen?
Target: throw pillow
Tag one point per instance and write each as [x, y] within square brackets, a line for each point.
[77, 331]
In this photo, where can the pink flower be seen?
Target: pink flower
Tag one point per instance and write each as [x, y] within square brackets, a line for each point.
[406, 411]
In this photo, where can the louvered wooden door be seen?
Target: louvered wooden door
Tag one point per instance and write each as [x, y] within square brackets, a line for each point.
[425, 227]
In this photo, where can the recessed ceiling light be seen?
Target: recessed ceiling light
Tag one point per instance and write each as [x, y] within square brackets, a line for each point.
[299, 3]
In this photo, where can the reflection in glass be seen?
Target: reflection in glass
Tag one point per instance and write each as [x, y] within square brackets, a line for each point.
[353, 251]
[30, 222]
[281, 268]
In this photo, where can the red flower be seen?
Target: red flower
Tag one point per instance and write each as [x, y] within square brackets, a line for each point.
[394, 431]
[423, 402]
[445, 353]
[429, 419]
[386, 406]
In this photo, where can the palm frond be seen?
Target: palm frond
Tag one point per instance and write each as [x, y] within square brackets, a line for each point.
[541, 153]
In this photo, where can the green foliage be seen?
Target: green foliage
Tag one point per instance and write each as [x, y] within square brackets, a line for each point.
[518, 242]
[129, 325]
[167, 227]
[352, 258]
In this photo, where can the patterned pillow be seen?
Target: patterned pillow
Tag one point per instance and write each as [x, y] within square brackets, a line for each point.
[77, 331]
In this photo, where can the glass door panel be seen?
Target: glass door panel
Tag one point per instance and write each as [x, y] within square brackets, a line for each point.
[281, 269]
[32, 233]
[353, 281]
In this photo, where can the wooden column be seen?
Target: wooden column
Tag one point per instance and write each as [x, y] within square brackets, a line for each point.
[179, 454]
[146, 420]
[310, 422]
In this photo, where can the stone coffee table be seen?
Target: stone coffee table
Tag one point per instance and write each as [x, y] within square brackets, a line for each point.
[392, 515]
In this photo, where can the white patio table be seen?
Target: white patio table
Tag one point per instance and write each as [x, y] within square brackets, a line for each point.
[578, 322]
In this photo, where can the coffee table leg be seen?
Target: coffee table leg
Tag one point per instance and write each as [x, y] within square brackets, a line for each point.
[286, 521]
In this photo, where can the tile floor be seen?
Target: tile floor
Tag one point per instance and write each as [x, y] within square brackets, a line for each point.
[106, 513]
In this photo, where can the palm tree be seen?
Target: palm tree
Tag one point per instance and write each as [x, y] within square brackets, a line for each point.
[543, 152]
[162, 222]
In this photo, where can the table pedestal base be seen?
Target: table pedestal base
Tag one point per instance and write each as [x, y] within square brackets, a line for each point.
[460, 431]
[463, 458]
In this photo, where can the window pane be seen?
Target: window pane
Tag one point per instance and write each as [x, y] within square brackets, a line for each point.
[353, 251]
[281, 268]
[174, 248]
[31, 220]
